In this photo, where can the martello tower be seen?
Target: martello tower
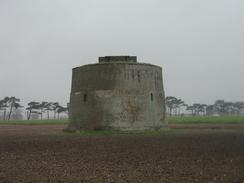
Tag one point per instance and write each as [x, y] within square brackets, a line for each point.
[117, 93]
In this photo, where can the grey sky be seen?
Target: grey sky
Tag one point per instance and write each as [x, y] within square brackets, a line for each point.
[199, 44]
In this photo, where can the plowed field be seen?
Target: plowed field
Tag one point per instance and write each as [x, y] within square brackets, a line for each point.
[186, 154]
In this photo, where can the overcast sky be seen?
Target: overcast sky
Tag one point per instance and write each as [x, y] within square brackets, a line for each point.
[199, 44]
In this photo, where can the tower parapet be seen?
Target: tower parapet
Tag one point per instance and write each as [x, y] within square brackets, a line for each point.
[117, 59]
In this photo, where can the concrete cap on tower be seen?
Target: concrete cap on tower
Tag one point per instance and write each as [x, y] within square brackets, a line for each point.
[117, 59]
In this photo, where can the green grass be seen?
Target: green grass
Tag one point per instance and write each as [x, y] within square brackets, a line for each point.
[171, 120]
[34, 122]
[117, 132]
[206, 120]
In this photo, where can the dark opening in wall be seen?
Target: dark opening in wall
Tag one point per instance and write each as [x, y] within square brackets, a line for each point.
[85, 97]
[151, 97]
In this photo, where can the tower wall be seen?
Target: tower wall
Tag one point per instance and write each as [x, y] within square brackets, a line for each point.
[117, 95]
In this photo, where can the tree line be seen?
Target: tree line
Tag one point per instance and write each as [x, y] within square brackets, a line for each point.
[10, 106]
[174, 106]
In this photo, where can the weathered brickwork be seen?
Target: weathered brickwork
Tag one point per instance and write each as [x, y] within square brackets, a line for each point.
[117, 93]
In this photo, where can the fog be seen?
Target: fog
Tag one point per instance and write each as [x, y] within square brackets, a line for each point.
[198, 43]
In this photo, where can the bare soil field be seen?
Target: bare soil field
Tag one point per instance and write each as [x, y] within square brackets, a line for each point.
[184, 153]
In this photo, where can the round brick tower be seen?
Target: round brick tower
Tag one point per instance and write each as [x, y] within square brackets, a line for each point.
[117, 93]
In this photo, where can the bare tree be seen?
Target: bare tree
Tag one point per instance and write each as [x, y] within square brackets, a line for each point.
[12, 103]
[3, 107]
[61, 109]
[32, 108]
[55, 107]
[178, 104]
[43, 108]
[170, 103]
